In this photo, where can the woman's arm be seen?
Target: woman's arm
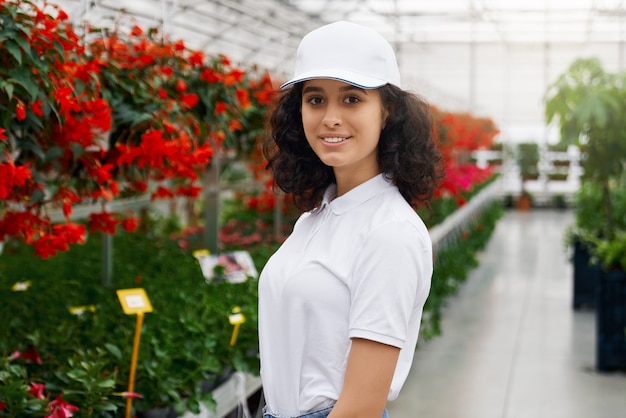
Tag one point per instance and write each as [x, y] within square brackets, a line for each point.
[369, 372]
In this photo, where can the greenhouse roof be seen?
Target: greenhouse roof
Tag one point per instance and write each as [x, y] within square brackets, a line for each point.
[267, 31]
[494, 57]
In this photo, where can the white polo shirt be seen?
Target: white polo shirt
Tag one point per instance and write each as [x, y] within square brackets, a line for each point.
[360, 265]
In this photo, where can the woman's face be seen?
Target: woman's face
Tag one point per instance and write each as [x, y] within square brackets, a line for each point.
[342, 123]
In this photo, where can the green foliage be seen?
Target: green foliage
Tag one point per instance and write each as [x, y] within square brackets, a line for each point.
[527, 159]
[184, 342]
[612, 253]
[454, 262]
[590, 107]
[589, 228]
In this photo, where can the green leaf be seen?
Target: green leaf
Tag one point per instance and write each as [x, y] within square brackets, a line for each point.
[193, 406]
[53, 154]
[77, 150]
[106, 406]
[24, 29]
[14, 50]
[24, 78]
[108, 383]
[34, 147]
[114, 350]
[8, 87]
[22, 41]
[76, 374]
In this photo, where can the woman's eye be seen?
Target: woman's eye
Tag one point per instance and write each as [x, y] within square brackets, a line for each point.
[314, 100]
[351, 99]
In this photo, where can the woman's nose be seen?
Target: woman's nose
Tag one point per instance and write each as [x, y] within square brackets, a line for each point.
[332, 117]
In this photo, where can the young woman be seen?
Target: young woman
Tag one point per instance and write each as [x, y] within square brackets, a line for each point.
[340, 303]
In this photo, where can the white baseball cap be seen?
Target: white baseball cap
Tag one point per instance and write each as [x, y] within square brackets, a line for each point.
[346, 52]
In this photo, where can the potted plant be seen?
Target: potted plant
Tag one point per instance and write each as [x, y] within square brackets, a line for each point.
[590, 106]
[527, 156]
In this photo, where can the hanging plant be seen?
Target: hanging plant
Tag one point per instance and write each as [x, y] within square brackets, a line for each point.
[50, 112]
[116, 114]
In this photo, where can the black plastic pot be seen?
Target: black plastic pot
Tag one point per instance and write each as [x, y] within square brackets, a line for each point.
[586, 278]
[611, 321]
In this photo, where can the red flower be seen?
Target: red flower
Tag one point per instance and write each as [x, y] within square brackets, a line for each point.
[167, 71]
[146, 60]
[190, 191]
[235, 125]
[211, 76]
[190, 100]
[181, 86]
[20, 110]
[61, 409]
[30, 355]
[162, 193]
[37, 110]
[225, 60]
[196, 58]
[130, 224]
[3, 137]
[48, 245]
[220, 107]
[179, 45]
[136, 31]
[71, 232]
[102, 222]
[243, 97]
[37, 390]
[234, 77]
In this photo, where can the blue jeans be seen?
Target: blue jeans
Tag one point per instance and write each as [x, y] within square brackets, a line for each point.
[322, 413]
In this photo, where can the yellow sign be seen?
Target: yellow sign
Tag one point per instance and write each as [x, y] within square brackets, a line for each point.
[236, 318]
[134, 301]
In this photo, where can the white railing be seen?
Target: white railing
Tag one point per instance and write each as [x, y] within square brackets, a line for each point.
[452, 225]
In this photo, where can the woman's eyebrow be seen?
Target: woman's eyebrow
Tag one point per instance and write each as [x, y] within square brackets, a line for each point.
[351, 87]
[313, 89]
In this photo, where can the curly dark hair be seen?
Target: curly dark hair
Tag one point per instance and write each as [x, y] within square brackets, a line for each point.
[407, 153]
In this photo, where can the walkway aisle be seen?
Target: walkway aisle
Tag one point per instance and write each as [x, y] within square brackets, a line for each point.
[512, 347]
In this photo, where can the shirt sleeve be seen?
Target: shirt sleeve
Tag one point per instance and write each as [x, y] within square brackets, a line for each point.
[387, 280]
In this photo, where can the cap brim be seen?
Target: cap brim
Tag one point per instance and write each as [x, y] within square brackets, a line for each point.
[358, 80]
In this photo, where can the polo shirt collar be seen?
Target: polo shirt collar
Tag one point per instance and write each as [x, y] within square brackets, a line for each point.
[356, 196]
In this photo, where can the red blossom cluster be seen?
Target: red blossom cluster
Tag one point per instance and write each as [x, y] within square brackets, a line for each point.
[119, 114]
[461, 133]
[458, 134]
[57, 407]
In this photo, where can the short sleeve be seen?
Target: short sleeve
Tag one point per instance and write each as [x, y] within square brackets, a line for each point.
[387, 279]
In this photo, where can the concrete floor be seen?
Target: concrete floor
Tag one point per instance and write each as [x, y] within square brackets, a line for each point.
[512, 347]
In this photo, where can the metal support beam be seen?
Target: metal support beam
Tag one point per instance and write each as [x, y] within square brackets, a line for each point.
[211, 206]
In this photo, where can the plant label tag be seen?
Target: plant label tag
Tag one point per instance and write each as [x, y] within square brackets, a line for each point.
[134, 301]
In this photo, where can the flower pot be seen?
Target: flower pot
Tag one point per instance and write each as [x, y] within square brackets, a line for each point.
[611, 321]
[524, 202]
[586, 277]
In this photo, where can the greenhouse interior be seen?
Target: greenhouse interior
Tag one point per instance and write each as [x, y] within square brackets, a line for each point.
[138, 210]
